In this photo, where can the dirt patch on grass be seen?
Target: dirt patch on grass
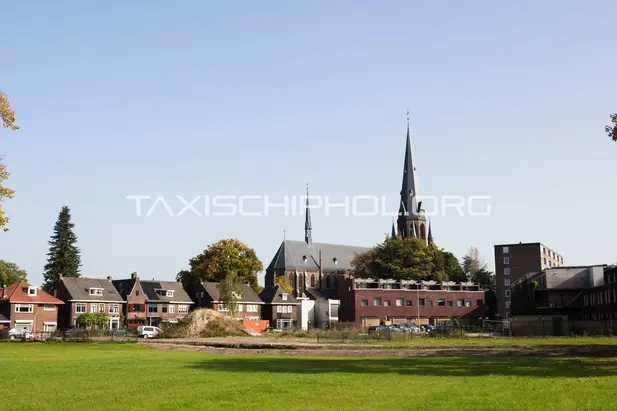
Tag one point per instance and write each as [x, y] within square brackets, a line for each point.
[242, 346]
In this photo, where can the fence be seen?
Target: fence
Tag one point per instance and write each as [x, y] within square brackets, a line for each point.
[75, 335]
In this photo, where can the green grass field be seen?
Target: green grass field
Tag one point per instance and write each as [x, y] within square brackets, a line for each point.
[76, 376]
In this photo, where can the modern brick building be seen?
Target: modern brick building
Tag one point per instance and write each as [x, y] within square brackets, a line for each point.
[27, 307]
[600, 302]
[373, 302]
[513, 261]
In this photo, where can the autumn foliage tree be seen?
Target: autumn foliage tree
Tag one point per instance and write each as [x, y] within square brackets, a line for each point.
[219, 259]
[7, 114]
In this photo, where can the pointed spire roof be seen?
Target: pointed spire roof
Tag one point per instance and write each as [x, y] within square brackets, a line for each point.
[393, 230]
[307, 221]
[409, 187]
[430, 232]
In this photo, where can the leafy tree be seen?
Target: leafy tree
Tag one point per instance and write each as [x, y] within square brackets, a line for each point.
[218, 260]
[10, 273]
[230, 288]
[64, 255]
[452, 267]
[611, 130]
[364, 263]
[7, 114]
[485, 279]
[283, 282]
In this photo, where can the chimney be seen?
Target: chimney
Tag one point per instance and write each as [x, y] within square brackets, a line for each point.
[109, 278]
[133, 276]
[59, 277]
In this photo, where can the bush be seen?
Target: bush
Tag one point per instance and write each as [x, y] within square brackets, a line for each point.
[222, 327]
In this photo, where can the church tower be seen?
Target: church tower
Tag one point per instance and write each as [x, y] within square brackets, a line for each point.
[411, 220]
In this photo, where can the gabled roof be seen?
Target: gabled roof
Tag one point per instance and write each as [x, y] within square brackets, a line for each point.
[79, 289]
[248, 294]
[15, 293]
[124, 287]
[291, 254]
[3, 319]
[316, 294]
[274, 295]
[150, 288]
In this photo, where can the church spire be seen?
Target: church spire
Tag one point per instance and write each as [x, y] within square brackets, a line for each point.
[410, 208]
[307, 221]
[393, 230]
[430, 232]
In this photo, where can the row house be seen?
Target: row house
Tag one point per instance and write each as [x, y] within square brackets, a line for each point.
[152, 302]
[280, 308]
[88, 295]
[385, 301]
[248, 304]
[25, 306]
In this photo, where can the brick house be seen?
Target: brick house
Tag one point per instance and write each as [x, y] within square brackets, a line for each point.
[249, 303]
[88, 295]
[29, 307]
[280, 308]
[152, 302]
[372, 302]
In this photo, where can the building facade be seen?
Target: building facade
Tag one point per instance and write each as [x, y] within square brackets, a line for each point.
[249, 305]
[380, 301]
[513, 261]
[280, 308]
[88, 295]
[600, 302]
[27, 307]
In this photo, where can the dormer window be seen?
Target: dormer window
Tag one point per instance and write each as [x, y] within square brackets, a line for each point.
[165, 293]
[170, 293]
[96, 291]
[31, 290]
[284, 296]
[236, 295]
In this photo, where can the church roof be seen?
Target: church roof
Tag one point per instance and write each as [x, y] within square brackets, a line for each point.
[298, 255]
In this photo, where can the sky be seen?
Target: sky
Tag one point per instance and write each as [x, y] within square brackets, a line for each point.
[202, 98]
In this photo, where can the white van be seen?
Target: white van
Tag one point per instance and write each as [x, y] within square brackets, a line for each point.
[148, 331]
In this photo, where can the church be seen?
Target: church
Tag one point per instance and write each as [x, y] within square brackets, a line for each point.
[318, 271]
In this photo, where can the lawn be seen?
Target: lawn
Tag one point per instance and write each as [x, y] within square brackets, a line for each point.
[75, 376]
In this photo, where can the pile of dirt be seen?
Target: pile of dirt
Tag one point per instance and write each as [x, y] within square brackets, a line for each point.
[204, 322]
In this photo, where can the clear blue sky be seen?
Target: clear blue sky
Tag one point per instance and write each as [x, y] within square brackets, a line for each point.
[507, 99]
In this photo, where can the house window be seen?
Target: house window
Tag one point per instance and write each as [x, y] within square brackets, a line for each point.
[137, 308]
[223, 308]
[252, 308]
[467, 303]
[290, 309]
[164, 309]
[508, 304]
[399, 302]
[170, 293]
[239, 308]
[24, 308]
[364, 303]
[507, 293]
[101, 308]
[93, 307]
[544, 261]
[152, 308]
[284, 297]
[459, 303]
[506, 260]
[506, 250]
[49, 327]
[377, 302]
[81, 307]
[31, 290]
[114, 308]
[506, 271]
[408, 303]
[49, 307]
[96, 291]
[137, 293]
[386, 303]
[449, 303]
[421, 302]
[506, 282]
[170, 309]
[441, 302]
[183, 309]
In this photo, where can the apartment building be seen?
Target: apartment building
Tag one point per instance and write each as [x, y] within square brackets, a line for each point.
[513, 261]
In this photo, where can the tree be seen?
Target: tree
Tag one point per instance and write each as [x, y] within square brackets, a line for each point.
[453, 268]
[230, 289]
[64, 255]
[283, 282]
[472, 263]
[7, 114]
[485, 279]
[10, 273]
[611, 130]
[92, 319]
[218, 260]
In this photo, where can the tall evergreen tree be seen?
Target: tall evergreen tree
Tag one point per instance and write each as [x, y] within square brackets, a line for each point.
[63, 256]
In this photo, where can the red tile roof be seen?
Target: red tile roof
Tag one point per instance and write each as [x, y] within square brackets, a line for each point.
[14, 293]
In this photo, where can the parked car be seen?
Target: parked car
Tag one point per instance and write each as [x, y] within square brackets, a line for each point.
[427, 328]
[15, 333]
[377, 329]
[148, 331]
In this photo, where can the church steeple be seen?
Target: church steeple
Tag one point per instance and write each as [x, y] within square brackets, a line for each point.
[430, 232]
[411, 221]
[393, 230]
[307, 221]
